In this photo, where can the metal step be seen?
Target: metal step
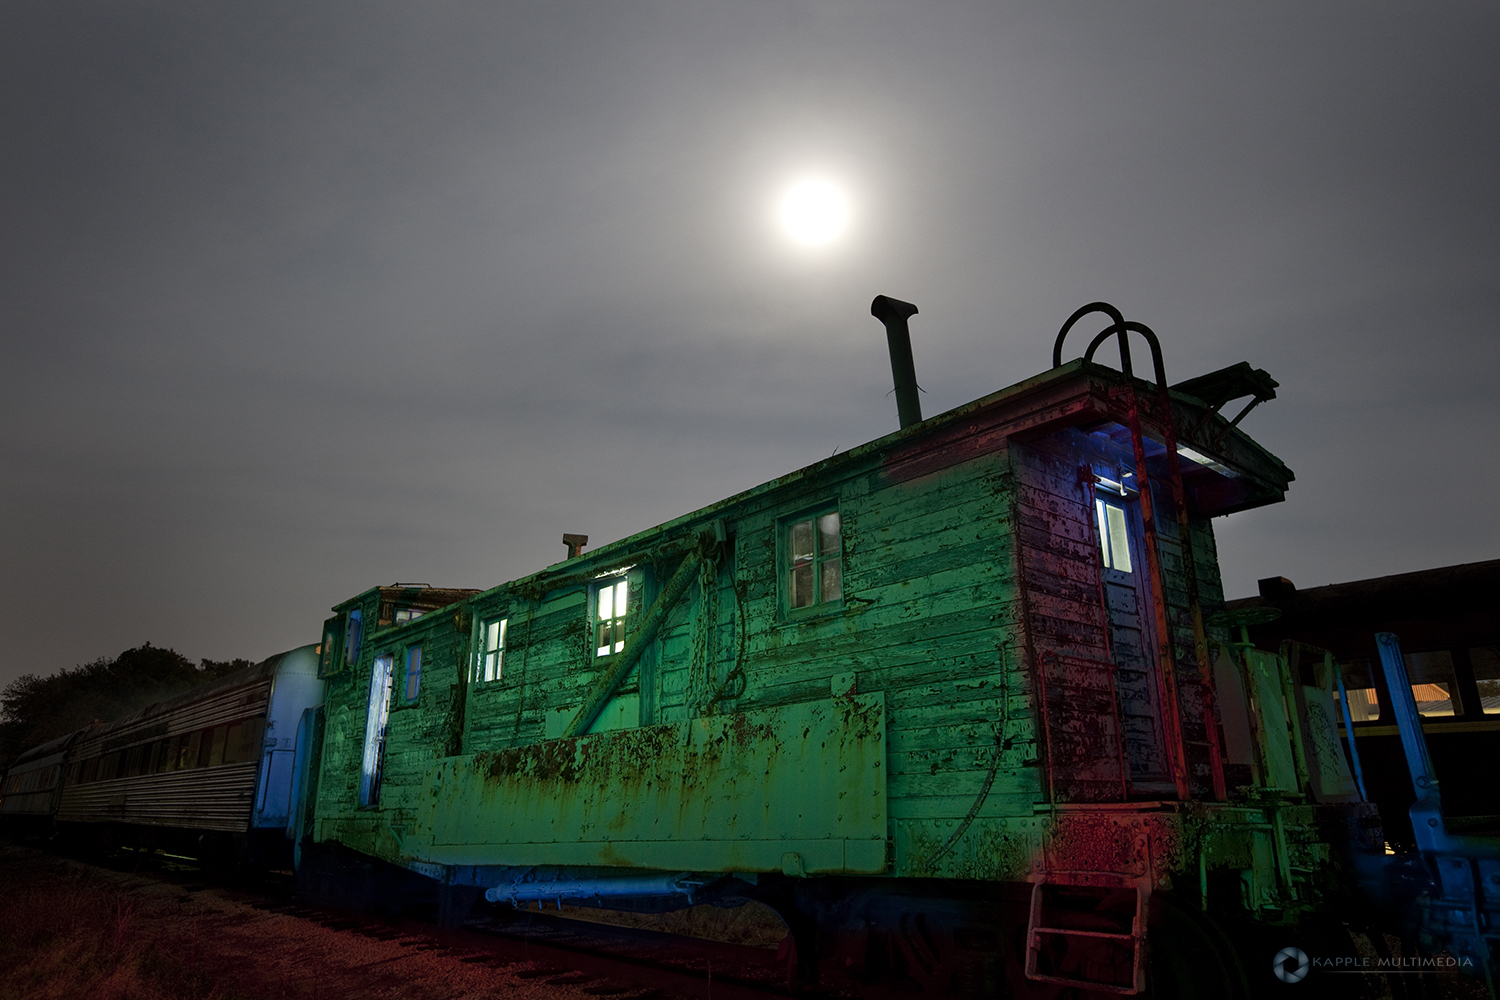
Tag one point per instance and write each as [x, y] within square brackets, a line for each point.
[1037, 927]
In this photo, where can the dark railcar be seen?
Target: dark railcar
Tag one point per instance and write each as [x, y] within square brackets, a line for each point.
[1448, 620]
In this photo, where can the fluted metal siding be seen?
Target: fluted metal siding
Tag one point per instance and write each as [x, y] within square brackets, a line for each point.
[201, 798]
[37, 801]
[181, 715]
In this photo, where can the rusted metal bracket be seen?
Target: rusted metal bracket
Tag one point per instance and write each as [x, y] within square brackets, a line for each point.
[615, 671]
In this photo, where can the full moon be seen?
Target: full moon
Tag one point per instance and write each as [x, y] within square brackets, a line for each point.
[813, 211]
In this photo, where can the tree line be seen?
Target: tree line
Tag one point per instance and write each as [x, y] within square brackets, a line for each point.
[35, 709]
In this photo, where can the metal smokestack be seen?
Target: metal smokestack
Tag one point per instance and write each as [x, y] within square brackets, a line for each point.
[894, 313]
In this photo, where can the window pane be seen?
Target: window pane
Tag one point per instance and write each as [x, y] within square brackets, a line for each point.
[620, 599]
[205, 746]
[1486, 661]
[353, 631]
[492, 637]
[413, 672]
[1119, 541]
[216, 754]
[375, 720]
[828, 534]
[1432, 683]
[601, 639]
[606, 603]
[1103, 532]
[802, 541]
[833, 589]
[1364, 706]
[802, 585]
[233, 737]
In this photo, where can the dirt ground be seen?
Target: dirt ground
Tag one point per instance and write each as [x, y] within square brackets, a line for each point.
[70, 931]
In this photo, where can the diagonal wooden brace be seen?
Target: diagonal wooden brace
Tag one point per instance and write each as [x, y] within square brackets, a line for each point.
[614, 672]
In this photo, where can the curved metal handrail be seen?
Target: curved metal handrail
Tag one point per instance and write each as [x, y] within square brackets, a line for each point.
[1121, 329]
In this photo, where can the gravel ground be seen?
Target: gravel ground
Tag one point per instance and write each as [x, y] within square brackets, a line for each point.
[70, 930]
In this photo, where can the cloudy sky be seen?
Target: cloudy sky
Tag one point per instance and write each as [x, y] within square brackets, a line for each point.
[297, 299]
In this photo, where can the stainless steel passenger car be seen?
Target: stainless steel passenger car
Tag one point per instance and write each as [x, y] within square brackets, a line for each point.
[29, 793]
[206, 773]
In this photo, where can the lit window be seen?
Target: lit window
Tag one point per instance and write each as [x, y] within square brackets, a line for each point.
[406, 615]
[413, 672]
[609, 617]
[1432, 682]
[814, 557]
[494, 651]
[375, 719]
[1114, 539]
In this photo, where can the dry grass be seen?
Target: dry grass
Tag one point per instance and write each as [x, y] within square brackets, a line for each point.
[64, 935]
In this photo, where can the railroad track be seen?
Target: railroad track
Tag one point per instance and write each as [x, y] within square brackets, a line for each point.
[597, 959]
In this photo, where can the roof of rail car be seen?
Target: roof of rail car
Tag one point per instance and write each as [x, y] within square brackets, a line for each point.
[1088, 372]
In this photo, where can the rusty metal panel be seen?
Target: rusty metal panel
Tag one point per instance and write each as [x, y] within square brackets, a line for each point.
[800, 787]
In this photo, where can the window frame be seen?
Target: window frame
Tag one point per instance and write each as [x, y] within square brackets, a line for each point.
[412, 659]
[785, 563]
[482, 672]
[597, 589]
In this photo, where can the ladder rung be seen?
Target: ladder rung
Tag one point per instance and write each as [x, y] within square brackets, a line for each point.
[1088, 984]
[1082, 933]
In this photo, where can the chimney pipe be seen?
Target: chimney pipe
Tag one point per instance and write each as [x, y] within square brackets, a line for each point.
[894, 313]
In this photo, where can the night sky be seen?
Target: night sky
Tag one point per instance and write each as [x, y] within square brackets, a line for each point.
[299, 299]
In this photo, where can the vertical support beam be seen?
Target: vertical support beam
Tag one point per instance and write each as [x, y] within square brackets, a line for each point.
[1166, 662]
[1195, 605]
[1338, 675]
[1427, 810]
[1290, 665]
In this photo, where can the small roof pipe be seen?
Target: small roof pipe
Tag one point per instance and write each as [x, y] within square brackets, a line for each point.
[894, 314]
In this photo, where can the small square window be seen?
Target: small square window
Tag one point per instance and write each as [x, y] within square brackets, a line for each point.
[1432, 683]
[413, 672]
[814, 561]
[492, 659]
[404, 615]
[611, 599]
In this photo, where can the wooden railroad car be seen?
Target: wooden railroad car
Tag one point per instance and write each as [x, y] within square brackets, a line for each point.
[952, 702]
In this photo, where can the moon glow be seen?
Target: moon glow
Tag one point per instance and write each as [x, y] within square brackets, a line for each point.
[813, 212]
